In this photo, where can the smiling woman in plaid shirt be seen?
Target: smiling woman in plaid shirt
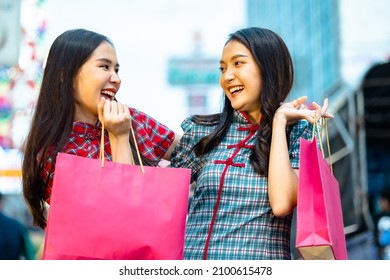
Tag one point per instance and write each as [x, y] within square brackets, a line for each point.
[245, 159]
[78, 91]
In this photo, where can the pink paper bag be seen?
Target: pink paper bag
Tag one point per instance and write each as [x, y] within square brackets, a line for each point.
[320, 227]
[116, 211]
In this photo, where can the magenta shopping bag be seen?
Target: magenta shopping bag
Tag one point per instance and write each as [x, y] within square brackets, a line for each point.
[116, 211]
[320, 227]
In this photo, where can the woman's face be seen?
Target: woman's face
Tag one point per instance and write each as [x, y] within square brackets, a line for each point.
[97, 78]
[241, 79]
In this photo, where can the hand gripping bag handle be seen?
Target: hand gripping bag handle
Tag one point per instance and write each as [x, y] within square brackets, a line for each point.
[101, 154]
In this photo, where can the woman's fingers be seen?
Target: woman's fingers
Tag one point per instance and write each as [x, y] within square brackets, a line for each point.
[322, 111]
[115, 111]
[296, 109]
[299, 102]
[101, 109]
[115, 115]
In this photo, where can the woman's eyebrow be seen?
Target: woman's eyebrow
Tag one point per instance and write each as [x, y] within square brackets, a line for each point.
[106, 60]
[235, 57]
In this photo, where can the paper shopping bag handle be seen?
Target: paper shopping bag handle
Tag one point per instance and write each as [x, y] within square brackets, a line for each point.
[316, 127]
[101, 154]
[136, 148]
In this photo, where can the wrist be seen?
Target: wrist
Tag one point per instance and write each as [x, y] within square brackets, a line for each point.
[279, 120]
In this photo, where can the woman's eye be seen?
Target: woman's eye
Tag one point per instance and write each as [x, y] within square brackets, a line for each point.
[105, 67]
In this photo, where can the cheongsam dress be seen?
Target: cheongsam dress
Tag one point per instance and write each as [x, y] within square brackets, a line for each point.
[231, 196]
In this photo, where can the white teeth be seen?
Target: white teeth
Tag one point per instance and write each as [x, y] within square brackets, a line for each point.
[109, 93]
[234, 89]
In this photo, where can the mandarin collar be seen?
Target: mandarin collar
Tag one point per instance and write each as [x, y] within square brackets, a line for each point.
[242, 119]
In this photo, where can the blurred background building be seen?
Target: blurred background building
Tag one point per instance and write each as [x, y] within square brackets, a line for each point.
[340, 50]
[311, 31]
[169, 54]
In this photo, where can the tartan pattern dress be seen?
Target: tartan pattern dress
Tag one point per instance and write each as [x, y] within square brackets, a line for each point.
[232, 197]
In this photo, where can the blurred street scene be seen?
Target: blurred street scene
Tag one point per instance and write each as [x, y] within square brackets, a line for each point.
[340, 48]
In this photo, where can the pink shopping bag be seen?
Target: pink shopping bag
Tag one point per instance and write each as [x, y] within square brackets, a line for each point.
[320, 227]
[116, 211]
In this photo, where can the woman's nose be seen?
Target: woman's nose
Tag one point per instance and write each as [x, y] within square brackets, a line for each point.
[115, 79]
[228, 75]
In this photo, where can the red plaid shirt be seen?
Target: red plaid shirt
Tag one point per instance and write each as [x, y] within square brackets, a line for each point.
[153, 139]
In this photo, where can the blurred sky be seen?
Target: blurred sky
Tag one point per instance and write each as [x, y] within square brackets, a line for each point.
[146, 34]
[365, 36]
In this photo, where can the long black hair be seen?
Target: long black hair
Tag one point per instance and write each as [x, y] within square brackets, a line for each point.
[277, 74]
[53, 117]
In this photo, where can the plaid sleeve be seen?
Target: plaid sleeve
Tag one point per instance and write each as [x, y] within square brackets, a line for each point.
[153, 138]
[302, 129]
[183, 155]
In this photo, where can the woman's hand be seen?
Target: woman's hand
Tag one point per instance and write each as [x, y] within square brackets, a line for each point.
[282, 178]
[293, 111]
[116, 117]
